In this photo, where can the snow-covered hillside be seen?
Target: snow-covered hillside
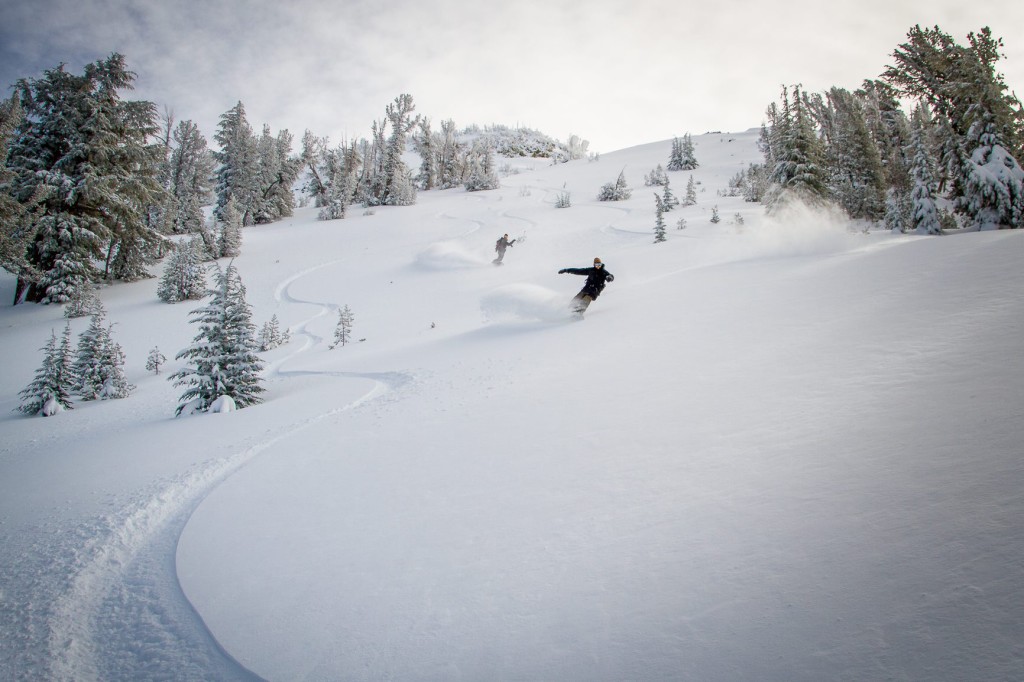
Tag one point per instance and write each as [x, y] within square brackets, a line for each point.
[773, 450]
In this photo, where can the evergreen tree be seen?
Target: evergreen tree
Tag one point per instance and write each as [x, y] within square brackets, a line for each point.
[659, 220]
[656, 177]
[229, 239]
[237, 174]
[691, 192]
[977, 119]
[799, 172]
[271, 336]
[82, 154]
[714, 215]
[313, 158]
[898, 211]
[343, 331]
[450, 155]
[83, 304]
[925, 214]
[668, 199]
[50, 390]
[857, 176]
[398, 188]
[342, 183]
[619, 191]
[682, 156]
[99, 365]
[276, 173]
[184, 276]
[426, 144]
[689, 159]
[481, 174]
[222, 359]
[993, 194]
[15, 216]
[959, 82]
[889, 128]
[190, 175]
[155, 360]
[675, 157]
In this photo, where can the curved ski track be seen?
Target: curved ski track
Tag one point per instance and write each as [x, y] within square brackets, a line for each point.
[123, 614]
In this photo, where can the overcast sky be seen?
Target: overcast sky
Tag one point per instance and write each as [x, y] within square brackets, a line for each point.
[615, 72]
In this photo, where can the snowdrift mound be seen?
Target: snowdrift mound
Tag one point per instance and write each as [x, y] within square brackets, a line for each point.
[525, 302]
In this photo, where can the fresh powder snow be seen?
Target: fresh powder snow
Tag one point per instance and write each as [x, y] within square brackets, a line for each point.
[774, 449]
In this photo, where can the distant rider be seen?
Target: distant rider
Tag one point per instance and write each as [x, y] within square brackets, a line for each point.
[500, 247]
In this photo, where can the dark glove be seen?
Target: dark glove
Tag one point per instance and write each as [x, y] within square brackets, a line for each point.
[561, 272]
[611, 278]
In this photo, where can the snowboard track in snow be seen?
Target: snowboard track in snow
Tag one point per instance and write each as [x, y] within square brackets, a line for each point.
[121, 612]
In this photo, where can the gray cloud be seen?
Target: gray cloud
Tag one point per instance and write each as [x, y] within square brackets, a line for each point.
[615, 72]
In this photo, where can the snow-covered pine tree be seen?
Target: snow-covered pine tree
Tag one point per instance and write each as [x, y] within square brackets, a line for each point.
[481, 174]
[714, 215]
[656, 177]
[184, 275]
[277, 172]
[682, 156]
[799, 173]
[271, 335]
[313, 158]
[450, 157]
[675, 157]
[993, 196]
[925, 214]
[975, 115]
[15, 213]
[99, 364]
[668, 199]
[238, 170]
[398, 188]
[342, 184]
[50, 390]
[190, 171]
[426, 143]
[155, 360]
[84, 304]
[222, 360]
[343, 331]
[898, 211]
[619, 191]
[691, 192]
[82, 154]
[856, 174]
[229, 237]
[659, 219]
[889, 128]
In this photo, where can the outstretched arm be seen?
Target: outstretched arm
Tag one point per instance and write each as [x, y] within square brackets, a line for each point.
[574, 271]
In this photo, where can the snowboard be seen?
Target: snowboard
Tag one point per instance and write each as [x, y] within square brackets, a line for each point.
[578, 305]
[497, 262]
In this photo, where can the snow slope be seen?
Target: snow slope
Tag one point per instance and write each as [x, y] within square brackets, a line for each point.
[772, 450]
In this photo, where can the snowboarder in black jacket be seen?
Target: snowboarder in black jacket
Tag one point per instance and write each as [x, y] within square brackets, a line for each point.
[597, 276]
[500, 247]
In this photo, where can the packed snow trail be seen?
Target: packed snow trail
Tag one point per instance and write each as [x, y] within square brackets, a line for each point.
[123, 614]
